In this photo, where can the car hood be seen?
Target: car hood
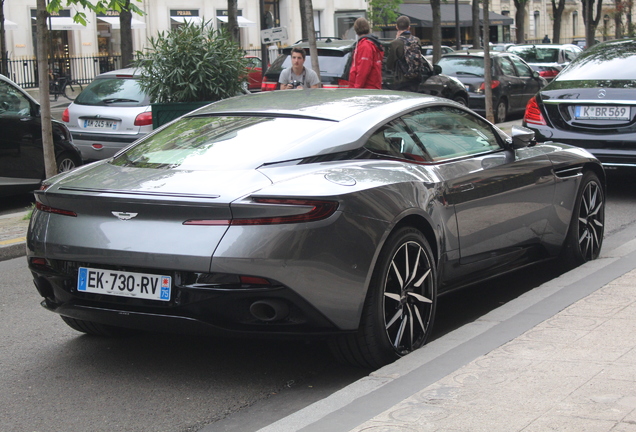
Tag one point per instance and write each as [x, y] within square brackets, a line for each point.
[105, 178]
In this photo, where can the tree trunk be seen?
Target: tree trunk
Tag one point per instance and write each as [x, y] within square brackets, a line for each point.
[311, 33]
[557, 15]
[476, 43]
[487, 68]
[50, 166]
[4, 65]
[591, 22]
[618, 19]
[436, 37]
[232, 20]
[520, 20]
[125, 30]
[304, 33]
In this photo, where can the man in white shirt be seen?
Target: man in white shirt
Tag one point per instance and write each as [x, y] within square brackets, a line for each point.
[298, 76]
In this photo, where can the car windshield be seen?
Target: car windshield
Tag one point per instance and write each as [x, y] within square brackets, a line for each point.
[207, 143]
[113, 91]
[332, 63]
[462, 66]
[615, 61]
[536, 54]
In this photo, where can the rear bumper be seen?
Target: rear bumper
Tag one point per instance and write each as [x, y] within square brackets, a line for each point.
[98, 146]
[616, 152]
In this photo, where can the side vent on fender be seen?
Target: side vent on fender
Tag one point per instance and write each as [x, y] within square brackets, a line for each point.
[569, 172]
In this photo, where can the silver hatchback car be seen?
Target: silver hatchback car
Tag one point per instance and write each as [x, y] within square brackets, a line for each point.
[111, 113]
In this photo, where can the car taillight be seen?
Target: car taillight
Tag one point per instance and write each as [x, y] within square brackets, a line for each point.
[144, 119]
[66, 118]
[533, 113]
[47, 209]
[549, 73]
[315, 211]
[341, 84]
[493, 84]
[268, 85]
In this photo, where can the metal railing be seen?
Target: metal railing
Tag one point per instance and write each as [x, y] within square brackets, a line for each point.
[83, 69]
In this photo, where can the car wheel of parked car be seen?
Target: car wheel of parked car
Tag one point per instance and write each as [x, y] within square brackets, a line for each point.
[93, 328]
[585, 236]
[461, 100]
[501, 111]
[400, 306]
[65, 163]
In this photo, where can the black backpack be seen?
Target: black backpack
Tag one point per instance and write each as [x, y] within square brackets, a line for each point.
[412, 64]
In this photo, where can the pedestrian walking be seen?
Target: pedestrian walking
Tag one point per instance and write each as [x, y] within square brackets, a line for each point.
[366, 69]
[405, 57]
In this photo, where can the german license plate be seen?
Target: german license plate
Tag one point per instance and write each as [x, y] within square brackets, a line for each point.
[124, 284]
[602, 112]
[100, 124]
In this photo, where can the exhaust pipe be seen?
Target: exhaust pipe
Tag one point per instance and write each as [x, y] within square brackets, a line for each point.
[269, 310]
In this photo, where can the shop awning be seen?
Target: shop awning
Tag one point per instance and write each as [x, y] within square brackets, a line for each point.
[10, 25]
[114, 22]
[63, 23]
[421, 15]
[186, 19]
[242, 22]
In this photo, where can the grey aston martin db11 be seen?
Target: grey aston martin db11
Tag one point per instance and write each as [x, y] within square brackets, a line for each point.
[334, 213]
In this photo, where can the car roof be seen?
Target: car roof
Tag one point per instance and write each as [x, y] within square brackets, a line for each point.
[128, 72]
[329, 43]
[547, 46]
[324, 104]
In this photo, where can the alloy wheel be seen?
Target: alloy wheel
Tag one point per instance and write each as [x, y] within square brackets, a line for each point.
[591, 221]
[408, 298]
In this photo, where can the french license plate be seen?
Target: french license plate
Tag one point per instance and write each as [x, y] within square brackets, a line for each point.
[602, 112]
[124, 284]
[100, 124]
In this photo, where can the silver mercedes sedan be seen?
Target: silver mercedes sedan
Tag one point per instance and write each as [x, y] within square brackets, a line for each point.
[330, 213]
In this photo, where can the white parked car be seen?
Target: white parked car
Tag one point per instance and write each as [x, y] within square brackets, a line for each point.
[109, 114]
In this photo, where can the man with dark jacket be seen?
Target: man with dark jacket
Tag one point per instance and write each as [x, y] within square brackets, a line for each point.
[396, 54]
[366, 68]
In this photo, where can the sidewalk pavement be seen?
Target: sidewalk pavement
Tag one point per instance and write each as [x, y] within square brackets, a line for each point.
[561, 357]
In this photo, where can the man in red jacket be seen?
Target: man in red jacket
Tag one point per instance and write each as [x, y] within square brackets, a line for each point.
[366, 68]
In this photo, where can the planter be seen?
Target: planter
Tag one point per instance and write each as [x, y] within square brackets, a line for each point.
[163, 113]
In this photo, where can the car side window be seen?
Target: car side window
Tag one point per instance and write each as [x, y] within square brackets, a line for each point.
[522, 69]
[569, 55]
[506, 66]
[449, 132]
[394, 139]
[12, 102]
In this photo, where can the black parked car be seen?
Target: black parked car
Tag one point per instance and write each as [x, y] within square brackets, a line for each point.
[21, 151]
[592, 104]
[334, 57]
[513, 81]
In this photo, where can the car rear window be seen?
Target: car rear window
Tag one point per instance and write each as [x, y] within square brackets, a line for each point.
[537, 55]
[206, 143]
[462, 65]
[332, 63]
[113, 92]
[605, 62]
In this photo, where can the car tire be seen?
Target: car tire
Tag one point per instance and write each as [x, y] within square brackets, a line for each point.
[585, 234]
[93, 328]
[501, 111]
[65, 162]
[461, 100]
[399, 309]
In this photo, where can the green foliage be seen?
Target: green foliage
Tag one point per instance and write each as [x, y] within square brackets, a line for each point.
[383, 12]
[192, 63]
[99, 6]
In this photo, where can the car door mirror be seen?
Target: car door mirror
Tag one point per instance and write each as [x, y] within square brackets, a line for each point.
[522, 137]
[536, 74]
[437, 69]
